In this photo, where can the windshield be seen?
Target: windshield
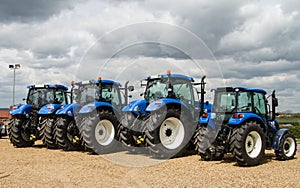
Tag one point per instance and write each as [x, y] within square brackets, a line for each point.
[39, 97]
[225, 102]
[84, 94]
[90, 93]
[180, 89]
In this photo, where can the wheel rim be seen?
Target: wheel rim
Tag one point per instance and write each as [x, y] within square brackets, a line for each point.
[171, 133]
[104, 132]
[253, 144]
[289, 146]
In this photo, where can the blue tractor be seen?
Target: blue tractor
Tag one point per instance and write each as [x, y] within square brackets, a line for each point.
[243, 123]
[30, 121]
[98, 121]
[165, 120]
[67, 133]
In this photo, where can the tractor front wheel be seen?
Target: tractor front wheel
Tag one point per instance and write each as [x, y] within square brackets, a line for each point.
[99, 132]
[19, 135]
[203, 145]
[287, 147]
[49, 133]
[248, 144]
[67, 134]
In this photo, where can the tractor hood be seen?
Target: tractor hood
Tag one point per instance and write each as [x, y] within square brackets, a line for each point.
[136, 106]
[21, 109]
[49, 109]
[68, 109]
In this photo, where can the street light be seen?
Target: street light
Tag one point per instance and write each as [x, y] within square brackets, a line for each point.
[14, 67]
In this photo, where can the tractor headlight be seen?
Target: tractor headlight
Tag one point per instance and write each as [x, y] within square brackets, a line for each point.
[69, 113]
[136, 109]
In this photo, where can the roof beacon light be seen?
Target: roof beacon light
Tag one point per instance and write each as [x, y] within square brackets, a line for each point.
[168, 72]
[72, 82]
[99, 79]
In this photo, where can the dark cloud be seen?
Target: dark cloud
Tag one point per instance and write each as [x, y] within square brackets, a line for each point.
[31, 10]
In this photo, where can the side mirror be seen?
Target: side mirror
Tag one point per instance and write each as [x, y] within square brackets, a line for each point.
[141, 94]
[130, 88]
[130, 96]
[23, 99]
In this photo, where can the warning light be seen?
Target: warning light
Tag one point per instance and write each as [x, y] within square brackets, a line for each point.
[238, 116]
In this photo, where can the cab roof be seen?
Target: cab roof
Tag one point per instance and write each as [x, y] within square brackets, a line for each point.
[180, 76]
[51, 86]
[109, 82]
[257, 90]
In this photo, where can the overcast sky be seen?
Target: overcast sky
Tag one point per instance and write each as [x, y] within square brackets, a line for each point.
[234, 43]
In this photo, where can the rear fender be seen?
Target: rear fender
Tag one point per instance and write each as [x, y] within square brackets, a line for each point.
[49, 109]
[23, 110]
[158, 104]
[68, 109]
[208, 121]
[277, 138]
[88, 108]
[234, 122]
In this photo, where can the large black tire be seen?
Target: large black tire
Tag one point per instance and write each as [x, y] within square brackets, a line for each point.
[129, 139]
[99, 132]
[42, 130]
[67, 134]
[49, 133]
[171, 137]
[287, 147]
[18, 135]
[248, 144]
[203, 142]
[126, 139]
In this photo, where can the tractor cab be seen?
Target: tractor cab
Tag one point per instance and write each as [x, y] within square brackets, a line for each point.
[97, 91]
[173, 86]
[40, 95]
[236, 103]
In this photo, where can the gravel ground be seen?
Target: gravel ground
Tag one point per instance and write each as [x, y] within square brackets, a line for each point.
[40, 167]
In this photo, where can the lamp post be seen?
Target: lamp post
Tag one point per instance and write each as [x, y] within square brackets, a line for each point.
[14, 67]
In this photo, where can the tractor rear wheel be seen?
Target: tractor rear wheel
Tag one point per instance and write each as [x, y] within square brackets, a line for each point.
[287, 147]
[67, 134]
[248, 144]
[99, 132]
[49, 133]
[19, 136]
[171, 137]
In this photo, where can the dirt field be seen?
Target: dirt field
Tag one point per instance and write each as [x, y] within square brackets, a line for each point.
[40, 167]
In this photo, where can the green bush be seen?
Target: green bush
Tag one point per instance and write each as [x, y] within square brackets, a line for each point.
[295, 130]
